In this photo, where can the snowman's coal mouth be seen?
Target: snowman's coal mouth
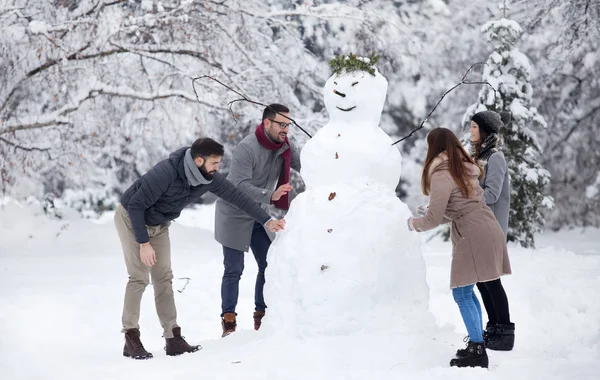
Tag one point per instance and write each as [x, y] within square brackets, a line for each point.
[346, 109]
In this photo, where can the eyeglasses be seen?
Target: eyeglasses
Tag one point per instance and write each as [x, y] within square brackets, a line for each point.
[281, 124]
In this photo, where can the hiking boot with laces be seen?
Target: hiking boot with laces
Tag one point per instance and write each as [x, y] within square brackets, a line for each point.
[462, 352]
[133, 346]
[228, 323]
[490, 331]
[476, 357]
[258, 316]
[177, 344]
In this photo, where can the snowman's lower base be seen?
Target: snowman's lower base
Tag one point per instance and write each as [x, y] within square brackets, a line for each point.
[346, 263]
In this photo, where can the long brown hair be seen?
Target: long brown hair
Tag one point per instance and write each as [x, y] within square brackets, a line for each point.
[443, 140]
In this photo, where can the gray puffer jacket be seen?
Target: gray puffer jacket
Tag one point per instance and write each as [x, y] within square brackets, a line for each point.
[160, 195]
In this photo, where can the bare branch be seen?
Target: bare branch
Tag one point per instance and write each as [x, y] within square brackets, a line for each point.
[243, 98]
[463, 81]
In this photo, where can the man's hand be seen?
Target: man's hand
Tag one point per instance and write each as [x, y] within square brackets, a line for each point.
[147, 254]
[281, 191]
[275, 225]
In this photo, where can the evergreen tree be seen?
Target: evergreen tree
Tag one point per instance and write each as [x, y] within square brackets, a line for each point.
[508, 71]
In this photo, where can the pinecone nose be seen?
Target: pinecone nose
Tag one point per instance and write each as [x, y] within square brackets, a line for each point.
[339, 93]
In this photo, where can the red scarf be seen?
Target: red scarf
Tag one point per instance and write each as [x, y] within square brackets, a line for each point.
[284, 177]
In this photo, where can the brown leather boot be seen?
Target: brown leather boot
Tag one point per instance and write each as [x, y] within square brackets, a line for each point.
[228, 323]
[177, 344]
[133, 346]
[258, 316]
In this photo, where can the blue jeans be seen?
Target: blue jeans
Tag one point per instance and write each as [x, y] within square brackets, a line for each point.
[233, 260]
[470, 310]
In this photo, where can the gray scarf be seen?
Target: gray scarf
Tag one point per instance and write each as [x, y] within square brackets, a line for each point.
[192, 173]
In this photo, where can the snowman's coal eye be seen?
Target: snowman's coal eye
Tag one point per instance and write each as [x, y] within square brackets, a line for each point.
[354, 84]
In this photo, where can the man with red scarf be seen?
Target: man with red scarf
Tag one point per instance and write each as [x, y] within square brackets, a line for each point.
[260, 168]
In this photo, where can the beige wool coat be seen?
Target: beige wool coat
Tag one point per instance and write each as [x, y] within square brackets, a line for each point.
[479, 252]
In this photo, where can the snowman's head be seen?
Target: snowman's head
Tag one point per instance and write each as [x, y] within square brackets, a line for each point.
[356, 96]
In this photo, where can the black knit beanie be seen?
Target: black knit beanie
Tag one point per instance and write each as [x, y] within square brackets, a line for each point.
[490, 121]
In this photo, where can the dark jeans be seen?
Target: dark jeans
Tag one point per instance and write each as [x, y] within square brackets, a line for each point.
[495, 301]
[233, 260]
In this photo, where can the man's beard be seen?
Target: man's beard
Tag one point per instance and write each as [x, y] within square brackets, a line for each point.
[205, 173]
[277, 138]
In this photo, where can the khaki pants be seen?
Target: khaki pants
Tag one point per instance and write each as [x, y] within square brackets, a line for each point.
[140, 274]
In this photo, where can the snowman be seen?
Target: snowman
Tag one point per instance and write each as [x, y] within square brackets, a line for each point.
[346, 260]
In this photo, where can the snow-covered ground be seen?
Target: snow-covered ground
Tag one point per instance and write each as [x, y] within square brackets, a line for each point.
[62, 284]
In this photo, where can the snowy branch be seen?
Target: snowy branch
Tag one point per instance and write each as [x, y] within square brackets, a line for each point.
[186, 51]
[50, 63]
[76, 56]
[330, 12]
[58, 117]
[580, 116]
[323, 12]
[255, 63]
[27, 149]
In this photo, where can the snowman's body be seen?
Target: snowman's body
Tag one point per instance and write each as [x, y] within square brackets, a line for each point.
[346, 260]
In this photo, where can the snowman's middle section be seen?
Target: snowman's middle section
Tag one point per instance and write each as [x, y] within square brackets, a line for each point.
[339, 153]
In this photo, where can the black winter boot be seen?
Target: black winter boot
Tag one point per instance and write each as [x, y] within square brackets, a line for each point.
[177, 344]
[490, 329]
[133, 346]
[462, 352]
[476, 357]
[503, 337]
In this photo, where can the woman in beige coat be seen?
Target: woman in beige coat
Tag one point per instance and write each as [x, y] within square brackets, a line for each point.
[451, 180]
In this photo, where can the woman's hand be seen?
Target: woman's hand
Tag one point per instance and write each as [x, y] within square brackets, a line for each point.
[422, 210]
[409, 222]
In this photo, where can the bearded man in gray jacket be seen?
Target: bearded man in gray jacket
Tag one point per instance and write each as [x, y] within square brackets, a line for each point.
[142, 220]
[261, 168]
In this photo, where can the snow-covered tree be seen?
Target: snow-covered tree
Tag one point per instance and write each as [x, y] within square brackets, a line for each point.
[508, 71]
[563, 41]
[95, 92]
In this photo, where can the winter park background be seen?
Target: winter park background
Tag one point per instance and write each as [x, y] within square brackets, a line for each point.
[93, 93]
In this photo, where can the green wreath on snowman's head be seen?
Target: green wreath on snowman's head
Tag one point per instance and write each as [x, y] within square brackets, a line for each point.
[347, 64]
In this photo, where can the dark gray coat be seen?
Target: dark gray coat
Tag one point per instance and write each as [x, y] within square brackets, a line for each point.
[160, 195]
[496, 188]
[255, 171]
